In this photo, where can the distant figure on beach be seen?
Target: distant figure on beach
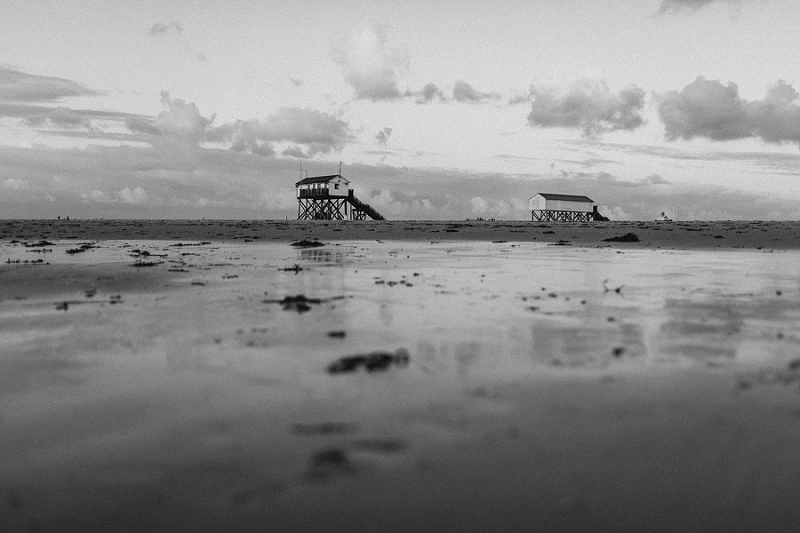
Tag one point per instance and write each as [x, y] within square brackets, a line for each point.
[664, 217]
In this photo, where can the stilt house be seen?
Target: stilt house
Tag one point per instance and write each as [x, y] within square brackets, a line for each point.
[330, 198]
[550, 207]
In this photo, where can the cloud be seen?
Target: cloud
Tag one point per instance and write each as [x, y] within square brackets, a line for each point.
[372, 67]
[456, 195]
[655, 179]
[16, 86]
[428, 94]
[398, 204]
[383, 136]
[464, 92]
[691, 5]
[134, 196]
[63, 121]
[283, 199]
[160, 29]
[302, 133]
[369, 65]
[97, 196]
[293, 151]
[588, 105]
[179, 120]
[315, 131]
[706, 108]
[35, 114]
[182, 119]
[144, 182]
[142, 124]
[136, 182]
[519, 99]
[605, 178]
[501, 207]
[479, 205]
[16, 184]
[59, 117]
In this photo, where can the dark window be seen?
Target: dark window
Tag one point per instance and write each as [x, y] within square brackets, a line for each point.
[335, 185]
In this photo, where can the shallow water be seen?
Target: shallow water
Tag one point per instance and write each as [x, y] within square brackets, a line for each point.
[461, 386]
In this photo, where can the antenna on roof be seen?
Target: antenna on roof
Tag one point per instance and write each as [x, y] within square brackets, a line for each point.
[340, 168]
[306, 173]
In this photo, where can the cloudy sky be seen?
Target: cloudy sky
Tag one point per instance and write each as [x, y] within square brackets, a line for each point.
[445, 109]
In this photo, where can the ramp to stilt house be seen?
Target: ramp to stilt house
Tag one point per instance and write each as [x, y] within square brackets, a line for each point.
[359, 207]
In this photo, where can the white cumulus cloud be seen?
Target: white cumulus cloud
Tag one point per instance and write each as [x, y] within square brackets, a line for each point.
[690, 5]
[369, 64]
[707, 108]
[588, 105]
[133, 196]
[479, 205]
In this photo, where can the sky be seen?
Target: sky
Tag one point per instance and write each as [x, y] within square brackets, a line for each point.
[447, 109]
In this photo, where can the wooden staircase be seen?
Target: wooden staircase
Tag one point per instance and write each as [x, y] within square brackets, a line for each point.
[360, 209]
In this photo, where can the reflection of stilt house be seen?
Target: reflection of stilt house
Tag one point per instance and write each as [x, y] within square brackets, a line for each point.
[548, 207]
[330, 198]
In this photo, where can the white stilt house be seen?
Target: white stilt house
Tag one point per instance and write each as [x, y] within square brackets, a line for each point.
[330, 198]
[550, 207]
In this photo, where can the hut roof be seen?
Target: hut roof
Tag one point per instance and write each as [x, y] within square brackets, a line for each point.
[565, 197]
[320, 179]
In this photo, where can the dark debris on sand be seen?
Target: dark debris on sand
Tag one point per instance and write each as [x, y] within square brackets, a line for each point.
[300, 303]
[181, 244]
[38, 244]
[305, 243]
[628, 237]
[296, 268]
[328, 463]
[323, 428]
[83, 247]
[372, 362]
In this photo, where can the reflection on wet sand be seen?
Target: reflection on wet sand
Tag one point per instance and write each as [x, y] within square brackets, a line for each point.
[322, 255]
[460, 386]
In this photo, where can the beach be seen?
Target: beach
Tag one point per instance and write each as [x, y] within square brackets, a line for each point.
[681, 235]
[391, 376]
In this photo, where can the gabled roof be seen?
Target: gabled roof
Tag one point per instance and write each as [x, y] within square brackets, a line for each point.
[565, 197]
[320, 179]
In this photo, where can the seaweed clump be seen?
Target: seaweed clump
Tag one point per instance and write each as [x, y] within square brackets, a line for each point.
[378, 361]
[628, 237]
[305, 243]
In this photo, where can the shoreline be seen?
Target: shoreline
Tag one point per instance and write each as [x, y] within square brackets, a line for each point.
[758, 235]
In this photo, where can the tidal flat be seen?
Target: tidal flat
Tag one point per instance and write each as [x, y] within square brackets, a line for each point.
[179, 384]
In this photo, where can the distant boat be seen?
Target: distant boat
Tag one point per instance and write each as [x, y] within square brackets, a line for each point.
[663, 218]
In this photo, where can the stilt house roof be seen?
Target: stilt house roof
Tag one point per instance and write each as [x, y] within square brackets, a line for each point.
[565, 197]
[320, 179]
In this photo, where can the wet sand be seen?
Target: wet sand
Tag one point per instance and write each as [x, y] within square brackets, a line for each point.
[211, 376]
